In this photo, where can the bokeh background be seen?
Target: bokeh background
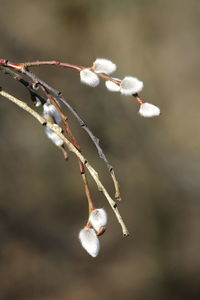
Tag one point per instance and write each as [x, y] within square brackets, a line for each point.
[157, 161]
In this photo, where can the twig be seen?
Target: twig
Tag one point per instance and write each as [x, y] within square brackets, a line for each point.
[66, 126]
[95, 140]
[50, 63]
[72, 148]
[71, 136]
[64, 118]
[24, 82]
[4, 64]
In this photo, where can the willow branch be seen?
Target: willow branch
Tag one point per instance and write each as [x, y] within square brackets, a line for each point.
[50, 63]
[58, 130]
[95, 140]
[33, 94]
[4, 64]
[28, 85]
[71, 136]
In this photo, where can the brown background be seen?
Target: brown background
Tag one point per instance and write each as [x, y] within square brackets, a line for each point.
[42, 204]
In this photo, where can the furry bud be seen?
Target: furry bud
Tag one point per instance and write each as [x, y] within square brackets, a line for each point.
[111, 86]
[131, 85]
[98, 218]
[149, 110]
[89, 241]
[50, 111]
[88, 77]
[103, 65]
[53, 137]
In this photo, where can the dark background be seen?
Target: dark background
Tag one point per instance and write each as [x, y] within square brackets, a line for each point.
[42, 204]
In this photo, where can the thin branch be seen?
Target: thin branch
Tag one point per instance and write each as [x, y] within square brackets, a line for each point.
[88, 194]
[58, 130]
[29, 86]
[5, 64]
[95, 140]
[50, 63]
[71, 136]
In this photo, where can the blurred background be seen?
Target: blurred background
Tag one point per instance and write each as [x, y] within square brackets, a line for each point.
[157, 161]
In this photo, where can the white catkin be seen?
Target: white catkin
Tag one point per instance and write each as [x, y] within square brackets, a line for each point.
[53, 137]
[131, 85]
[50, 109]
[111, 86]
[89, 78]
[89, 241]
[98, 218]
[103, 65]
[149, 110]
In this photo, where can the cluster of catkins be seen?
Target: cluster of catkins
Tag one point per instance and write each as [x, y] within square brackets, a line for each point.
[127, 86]
[88, 236]
[91, 76]
[101, 68]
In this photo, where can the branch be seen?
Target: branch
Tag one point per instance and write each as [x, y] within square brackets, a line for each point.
[95, 140]
[71, 136]
[29, 86]
[59, 96]
[58, 130]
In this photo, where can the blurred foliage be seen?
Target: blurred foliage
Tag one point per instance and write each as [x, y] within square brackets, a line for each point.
[42, 205]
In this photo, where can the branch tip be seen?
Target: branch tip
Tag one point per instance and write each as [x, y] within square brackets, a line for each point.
[126, 234]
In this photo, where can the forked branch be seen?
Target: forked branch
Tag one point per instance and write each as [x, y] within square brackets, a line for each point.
[58, 130]
[100, 69]
[5, 65]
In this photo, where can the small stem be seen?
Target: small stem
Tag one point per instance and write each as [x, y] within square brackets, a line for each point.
[50, 63]
[106, 77]
[139, 100]
[91, 206]
[7, 63]
[64, 152]
[116, 184]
